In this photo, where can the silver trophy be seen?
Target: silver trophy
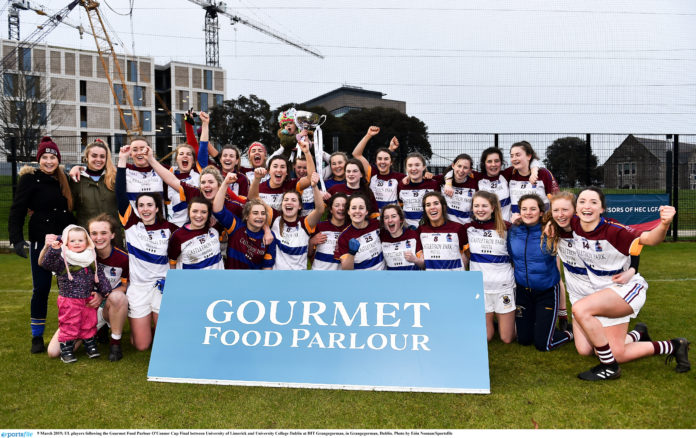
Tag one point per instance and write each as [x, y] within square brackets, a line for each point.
[313, 122]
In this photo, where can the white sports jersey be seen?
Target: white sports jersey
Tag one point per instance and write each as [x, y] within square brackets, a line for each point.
[384, 187]
[605, 251]
[459, 204]
[176, 209]
[520, 186]
[500, 187]
[291, 250]
[141, 180]
[411, 197]
[147, 250]
[394, 249]
[324, 256]
[443, 246]
[307, 201]
[369, 255]
[574, 270]
[489, 255]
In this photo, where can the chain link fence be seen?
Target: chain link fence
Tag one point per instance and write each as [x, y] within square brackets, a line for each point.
[620, 163]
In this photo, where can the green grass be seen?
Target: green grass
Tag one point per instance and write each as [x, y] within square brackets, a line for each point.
[527, 387]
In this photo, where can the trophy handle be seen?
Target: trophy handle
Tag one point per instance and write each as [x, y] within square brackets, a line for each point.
[322, 119]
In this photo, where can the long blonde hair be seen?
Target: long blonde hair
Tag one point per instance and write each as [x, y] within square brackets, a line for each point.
[109, 168]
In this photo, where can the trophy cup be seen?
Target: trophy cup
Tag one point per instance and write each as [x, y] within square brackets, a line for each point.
[312, 122]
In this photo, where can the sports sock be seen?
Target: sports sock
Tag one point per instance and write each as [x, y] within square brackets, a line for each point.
[663, 347]
[605, 355]
[634, 335]
[37, 326]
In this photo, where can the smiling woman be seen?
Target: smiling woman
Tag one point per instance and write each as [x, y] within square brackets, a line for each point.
[46, 193]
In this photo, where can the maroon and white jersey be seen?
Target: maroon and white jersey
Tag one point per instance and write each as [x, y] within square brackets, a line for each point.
[443, 246]
[410, 197]
[499, 186]
[177, 208]
[606, 250]
[384, 186]
[519, 185]
[273, 197]
[459, 204]
[147, 248]
[369, 256]
[196, 249]
[115, 267]
[373, 208]
[292, 243]
[142, 180]
[489, 254]
[574, 270]
[249, 174]
[324, 256]
[394, 248]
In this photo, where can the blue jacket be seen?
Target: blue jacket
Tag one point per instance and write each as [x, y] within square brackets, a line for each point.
[534, 268]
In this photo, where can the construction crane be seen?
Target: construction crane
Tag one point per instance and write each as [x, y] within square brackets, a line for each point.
[24, 5]
[214, 8]
[106, 50]
[39, 33]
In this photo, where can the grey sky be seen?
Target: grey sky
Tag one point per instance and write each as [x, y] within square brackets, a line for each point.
[461, 66]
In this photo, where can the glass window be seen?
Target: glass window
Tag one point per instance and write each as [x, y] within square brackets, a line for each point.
[627, 168]
[33, 86]
[121, 95]
[25, 59]
[180, 123]
[633, 168]
[43, 119]
[132, 71]
[83, 91]
[208, 79]
[184, 100]
[10, 84]
[146, 120]
[203, 99]
[120, 140]
[138, 96]
[129, 120]
[218, 99]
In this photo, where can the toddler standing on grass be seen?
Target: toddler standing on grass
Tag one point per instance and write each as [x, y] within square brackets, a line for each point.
[73, 260]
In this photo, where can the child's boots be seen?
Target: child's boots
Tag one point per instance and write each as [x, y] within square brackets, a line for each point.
[67, 351]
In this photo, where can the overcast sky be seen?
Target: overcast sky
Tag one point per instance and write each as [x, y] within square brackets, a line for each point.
[461, 66]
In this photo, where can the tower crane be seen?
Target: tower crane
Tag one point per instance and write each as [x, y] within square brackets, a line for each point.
[214, 8]
[25, 5]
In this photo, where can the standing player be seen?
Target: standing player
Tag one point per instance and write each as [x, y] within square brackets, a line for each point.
[486, 241]
[605, 248]
[383, 180]
[459, 190]
[271, 190]
[322, 244]
[359, 246]
[257, 158]
[520, 177]
[337, 163]
[410, 194]
[356, 183]
[443, 241]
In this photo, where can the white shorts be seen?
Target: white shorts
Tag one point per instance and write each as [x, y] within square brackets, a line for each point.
[143, 300]
[633, 292]
[500, 302]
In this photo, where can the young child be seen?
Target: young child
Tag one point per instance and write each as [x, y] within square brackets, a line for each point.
[73, 259]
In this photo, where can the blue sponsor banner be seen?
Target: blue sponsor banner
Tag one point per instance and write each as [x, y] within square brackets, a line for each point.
[371, 330]
[635, 209]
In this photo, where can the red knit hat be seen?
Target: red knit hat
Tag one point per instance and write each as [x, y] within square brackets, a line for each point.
[47, 146]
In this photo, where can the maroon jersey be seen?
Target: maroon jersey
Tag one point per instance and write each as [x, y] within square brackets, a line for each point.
[115, 267]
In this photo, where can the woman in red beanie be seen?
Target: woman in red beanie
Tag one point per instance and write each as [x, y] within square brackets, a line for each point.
[46, 192]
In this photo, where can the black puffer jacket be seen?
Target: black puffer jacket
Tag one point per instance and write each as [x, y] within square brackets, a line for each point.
[41, 194]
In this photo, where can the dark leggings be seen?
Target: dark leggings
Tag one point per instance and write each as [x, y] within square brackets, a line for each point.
[41, 280]
[536, 318]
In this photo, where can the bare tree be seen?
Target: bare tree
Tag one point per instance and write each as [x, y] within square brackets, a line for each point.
[26, 107]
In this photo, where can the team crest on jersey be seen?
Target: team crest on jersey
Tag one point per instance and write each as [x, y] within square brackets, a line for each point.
[408, 244]
[597, 246]
[112, 272]
[163, 234]
[506, 299]
[449, 237]
[211, 233]
[389, 183]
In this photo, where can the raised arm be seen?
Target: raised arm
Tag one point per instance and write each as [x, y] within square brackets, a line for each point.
[189, 123]
[121, 193]
[305, 181]
[168, 177]
[657, 234]
[259, 173]
[315, 216]
[204, 149]
[360, 147]
[219, 200]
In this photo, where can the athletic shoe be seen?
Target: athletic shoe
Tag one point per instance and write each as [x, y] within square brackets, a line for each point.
[115, 353]
[681, 354]
[103, 334]
[67, 352]
[37, 345]
[563, 324]
[602, 372]
[91, 347]
[642, 329]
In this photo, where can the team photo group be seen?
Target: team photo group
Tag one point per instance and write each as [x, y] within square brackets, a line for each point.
[109, 233]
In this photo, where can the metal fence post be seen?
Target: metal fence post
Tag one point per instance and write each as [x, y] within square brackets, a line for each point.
[675, 187]
[588, 153]
[495, 141]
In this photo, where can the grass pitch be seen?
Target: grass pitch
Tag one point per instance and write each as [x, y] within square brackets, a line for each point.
[528, 388]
